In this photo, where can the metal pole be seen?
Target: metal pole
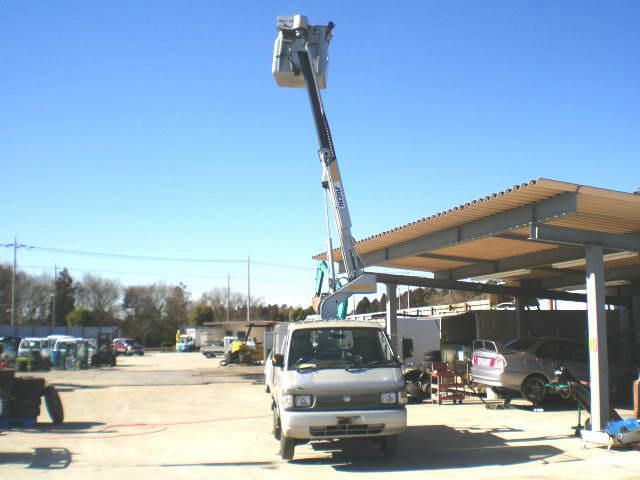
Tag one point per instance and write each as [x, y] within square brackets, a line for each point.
[248, 289]
[228, 295]
[13, 282]
[53, 307]
[392, 317]
[596, 320]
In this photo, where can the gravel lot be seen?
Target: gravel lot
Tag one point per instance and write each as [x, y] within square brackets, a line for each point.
[168, 415]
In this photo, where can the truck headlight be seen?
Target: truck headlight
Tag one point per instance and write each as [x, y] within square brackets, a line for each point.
[388, 398]
[297, 401]
[303, 401]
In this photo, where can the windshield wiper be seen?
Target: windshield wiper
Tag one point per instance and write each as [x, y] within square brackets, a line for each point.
[370, 364]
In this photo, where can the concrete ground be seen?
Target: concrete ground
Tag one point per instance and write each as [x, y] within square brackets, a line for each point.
[170, 415]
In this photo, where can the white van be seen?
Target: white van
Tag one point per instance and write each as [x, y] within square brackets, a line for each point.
[336, 379]
[27, 345]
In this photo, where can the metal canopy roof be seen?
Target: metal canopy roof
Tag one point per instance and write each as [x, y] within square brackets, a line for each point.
[535, 230]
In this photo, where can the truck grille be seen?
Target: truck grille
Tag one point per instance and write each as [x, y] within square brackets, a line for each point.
[346, 430]
[356, 401]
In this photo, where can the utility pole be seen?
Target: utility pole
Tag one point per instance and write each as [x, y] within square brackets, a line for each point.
[228, 295]
[53, 306]
[13, 282]
[248, 289]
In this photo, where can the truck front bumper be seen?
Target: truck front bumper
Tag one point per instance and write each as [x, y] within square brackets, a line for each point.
[310, 425]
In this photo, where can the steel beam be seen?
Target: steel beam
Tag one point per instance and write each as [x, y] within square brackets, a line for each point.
[456, 258]
[392, 317]
[597, 325]
[554, 207]
[524, 292]
[574, 236]
[528, 260]
[577, 279]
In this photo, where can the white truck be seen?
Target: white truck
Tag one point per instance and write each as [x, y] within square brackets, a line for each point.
[335, 380]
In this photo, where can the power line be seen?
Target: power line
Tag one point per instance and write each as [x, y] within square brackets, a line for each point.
[154, 258]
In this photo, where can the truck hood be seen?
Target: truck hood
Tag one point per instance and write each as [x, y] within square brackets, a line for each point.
[378, 379]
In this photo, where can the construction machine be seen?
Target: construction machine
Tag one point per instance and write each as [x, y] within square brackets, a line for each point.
[300, 60]
[245, 350]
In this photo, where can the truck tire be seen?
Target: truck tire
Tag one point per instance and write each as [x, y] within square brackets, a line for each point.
[277, 430]
[287, 447]
[534, 389]
[54, 405]
[389, 446]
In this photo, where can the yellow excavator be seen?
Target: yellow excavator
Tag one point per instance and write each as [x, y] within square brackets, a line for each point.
[245, 351]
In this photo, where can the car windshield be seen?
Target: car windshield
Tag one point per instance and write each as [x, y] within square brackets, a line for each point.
[339, 348]
[30, 344]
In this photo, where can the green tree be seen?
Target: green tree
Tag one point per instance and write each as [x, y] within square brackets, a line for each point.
[80, 317]
[65, 295]
[202, 313]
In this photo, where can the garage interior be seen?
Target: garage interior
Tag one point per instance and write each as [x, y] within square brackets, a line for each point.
[543, 239]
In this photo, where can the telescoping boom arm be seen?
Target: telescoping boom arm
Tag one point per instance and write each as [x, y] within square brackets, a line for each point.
[300, 61]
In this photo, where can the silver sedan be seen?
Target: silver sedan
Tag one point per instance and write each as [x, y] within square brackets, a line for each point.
[526, 365]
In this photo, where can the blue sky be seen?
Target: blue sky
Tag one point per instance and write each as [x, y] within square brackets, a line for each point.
[155, 127]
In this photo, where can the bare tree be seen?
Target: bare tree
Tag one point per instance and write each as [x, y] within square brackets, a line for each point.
[101, 296]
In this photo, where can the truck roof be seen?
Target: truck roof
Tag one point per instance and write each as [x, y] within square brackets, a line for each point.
[334, 324]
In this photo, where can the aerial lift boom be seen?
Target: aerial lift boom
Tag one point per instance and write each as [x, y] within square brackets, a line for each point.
[300, 60]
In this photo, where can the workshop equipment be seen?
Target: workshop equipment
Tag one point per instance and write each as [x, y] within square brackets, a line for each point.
[104, 354]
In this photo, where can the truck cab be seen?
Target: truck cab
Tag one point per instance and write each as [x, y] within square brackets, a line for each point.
[336, 380]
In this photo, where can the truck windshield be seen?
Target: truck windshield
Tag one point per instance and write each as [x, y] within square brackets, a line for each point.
[340, 348]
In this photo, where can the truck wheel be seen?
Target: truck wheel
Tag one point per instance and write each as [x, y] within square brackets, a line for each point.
[277, 430]
[54, 405]
[534, 389]
[287, 447]
[389, 446]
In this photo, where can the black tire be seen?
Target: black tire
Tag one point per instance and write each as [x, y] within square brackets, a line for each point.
[277, 430]
[287, 447]
[534, 389]
[141, 354]
[54, 405]
[389, 446]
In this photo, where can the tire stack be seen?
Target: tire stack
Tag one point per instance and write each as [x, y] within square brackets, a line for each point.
[26, 396]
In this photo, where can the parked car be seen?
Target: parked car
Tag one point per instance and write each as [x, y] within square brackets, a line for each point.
[31, 344]
[527, 365]
[213, 349]
[9, 348]
[127, 346]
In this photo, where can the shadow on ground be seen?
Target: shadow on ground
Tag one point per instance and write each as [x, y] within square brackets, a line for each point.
[41, 458]
[67, 427]
[70, 387]
[432, 447]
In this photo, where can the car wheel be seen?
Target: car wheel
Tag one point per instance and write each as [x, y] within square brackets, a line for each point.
[389, 446]
[54, 405]
[277, 430]
[287, 447]
[534, 389]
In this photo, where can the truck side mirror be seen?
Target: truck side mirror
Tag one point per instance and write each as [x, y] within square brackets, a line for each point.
[407, 347]
[277, 360]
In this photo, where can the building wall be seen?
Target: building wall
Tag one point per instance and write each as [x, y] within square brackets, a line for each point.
[44, 331]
